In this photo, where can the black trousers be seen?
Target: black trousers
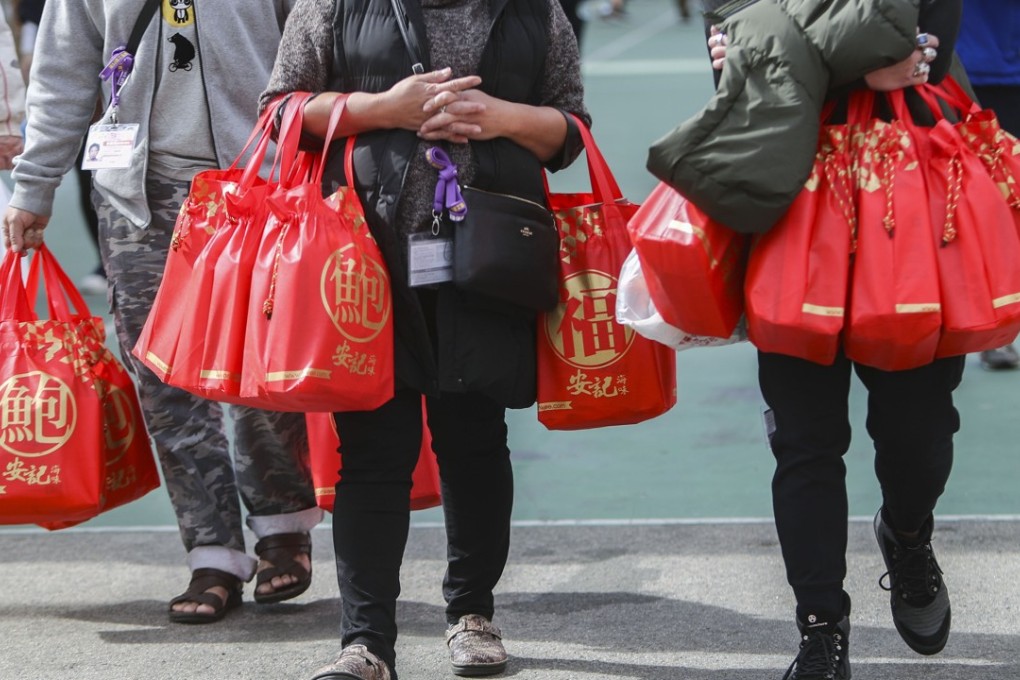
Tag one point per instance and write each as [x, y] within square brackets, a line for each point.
[911, 420]
[371, 515]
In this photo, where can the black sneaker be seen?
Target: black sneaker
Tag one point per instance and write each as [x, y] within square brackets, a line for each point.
[824, 651]
[918, 596]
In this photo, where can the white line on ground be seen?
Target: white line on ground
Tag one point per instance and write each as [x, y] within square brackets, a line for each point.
[649, 522]
[645, 67]
[634, 37]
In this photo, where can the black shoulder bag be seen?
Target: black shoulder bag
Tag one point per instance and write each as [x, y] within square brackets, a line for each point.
[506, 247]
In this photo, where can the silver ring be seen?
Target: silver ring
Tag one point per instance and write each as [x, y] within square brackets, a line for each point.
[929, 53]
[921, 69]
[922, 39]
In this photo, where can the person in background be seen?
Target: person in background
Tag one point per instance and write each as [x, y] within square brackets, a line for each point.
[576, 22]
[185, 120]
[911, 419]
[989, 47]
[12, 97]
[29, 14]
[471, 356]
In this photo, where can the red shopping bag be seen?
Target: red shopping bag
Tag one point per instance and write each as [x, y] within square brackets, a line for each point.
[973, 224]
[210, 353]
[130, 469]
[798, 272]
[592, 370]
[320, 327]
[997, 149]
[202, 214]
[323, 442]
[694, 267]
[52, 447]
[895, 306]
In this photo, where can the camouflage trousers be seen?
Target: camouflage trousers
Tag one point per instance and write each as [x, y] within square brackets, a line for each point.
[269, 469]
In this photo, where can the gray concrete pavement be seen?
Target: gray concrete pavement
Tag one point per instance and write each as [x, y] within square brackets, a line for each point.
[578, 602]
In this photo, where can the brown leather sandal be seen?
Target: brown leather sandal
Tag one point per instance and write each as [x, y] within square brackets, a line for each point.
[280, 550]
[201, 581]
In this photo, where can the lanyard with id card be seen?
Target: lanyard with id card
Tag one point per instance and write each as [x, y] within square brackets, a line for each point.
[430, 254]
[110, 144]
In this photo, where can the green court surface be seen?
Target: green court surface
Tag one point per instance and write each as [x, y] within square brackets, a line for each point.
[707, 457]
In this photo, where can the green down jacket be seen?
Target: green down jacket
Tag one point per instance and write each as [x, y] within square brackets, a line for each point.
[746, 155]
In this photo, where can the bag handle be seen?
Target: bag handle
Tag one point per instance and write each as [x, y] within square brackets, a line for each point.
[335, 115]
[605, 190]
[860, 106]
[953, 92]
[60, 290]
[14, 304]
[603, 184]
[141, 25]
[290, 159]
[287, 143]
[263, 132]
[410, 38]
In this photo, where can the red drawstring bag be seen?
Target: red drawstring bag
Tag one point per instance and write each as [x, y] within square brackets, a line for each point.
[325, 461]
[979, 247]
[202, 215]
[592, 370]
[320, 325]
[797, 276]
[998, 150]
[71, 443]
[210, 353]
[895, 305]
[694, 267]
[130, 468]
[51, 438]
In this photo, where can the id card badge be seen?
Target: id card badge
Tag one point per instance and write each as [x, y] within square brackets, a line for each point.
[109, 146]
[429, 259]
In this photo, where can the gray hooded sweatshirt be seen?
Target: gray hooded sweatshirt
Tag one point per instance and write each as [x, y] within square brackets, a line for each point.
[239, 39]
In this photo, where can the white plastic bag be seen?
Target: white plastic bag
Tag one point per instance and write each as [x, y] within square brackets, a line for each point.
[634, 308]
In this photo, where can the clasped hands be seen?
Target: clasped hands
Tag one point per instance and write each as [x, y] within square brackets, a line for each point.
[439, 107]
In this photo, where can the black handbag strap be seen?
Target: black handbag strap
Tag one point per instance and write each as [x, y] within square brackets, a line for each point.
[410, 37]
[148, 11]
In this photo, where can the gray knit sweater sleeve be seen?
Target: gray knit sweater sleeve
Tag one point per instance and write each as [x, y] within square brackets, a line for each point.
[305, 57]
[562, 86]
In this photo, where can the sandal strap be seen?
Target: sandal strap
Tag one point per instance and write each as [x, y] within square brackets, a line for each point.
[204, 579]
[280, 550]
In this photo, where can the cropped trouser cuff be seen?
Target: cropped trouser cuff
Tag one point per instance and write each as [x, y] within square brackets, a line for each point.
[225, 559]
[287, 523]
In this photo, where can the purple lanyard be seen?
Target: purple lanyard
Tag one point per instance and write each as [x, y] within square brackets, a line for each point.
[117, 71]
[447, 190]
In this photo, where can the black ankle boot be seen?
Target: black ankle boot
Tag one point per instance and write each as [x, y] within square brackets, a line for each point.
[824, 647]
